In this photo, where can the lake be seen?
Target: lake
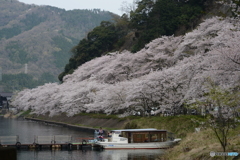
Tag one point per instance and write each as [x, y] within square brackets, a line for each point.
[27, 130]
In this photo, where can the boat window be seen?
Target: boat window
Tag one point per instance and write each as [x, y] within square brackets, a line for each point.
[154, 138]
[137, 138]
[157, 137]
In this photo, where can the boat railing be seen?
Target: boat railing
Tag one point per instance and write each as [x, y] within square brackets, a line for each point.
[43, 139]
[62, 139]
[53, 139]
[9, 139]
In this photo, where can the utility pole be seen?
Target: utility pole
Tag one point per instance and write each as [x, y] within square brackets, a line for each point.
[0, 73]
[26, 68]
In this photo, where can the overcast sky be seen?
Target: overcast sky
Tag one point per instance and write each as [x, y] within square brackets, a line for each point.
[107, 5]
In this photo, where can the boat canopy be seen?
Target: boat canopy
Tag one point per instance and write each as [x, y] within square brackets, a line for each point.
[141, 135]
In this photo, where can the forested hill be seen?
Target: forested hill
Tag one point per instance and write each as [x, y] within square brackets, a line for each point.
[42, 37]
[169, 75]
[150, 20]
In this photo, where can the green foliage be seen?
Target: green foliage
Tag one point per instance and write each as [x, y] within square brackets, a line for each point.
[227, 102]
[99, 41]
[131, 125]
[26, 113]
[100, 116]
[42, 36]
[17, 82]
[14, 82]
[28, 23]
[220, 97]
[46, 78]
[85, 17]
[164, 17]
[32, 20]
[9, 32]
[17, 53]
[62, 55]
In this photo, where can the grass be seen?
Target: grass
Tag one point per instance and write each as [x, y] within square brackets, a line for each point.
[98, 115]
[104, 116]
[26, 113]
[198, 145]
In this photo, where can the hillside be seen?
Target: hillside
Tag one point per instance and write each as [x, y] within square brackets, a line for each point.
[150, 20]
[41, 37]
[167, 74]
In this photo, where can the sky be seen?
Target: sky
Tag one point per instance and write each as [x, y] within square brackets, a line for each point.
[107, 5]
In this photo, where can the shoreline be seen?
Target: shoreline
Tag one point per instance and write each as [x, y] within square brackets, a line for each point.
[77, 122]
[194, 145]
[71, 126]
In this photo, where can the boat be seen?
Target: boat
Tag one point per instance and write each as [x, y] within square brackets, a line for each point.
[149, 138]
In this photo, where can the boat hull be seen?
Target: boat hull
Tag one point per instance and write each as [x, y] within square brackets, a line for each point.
[150, 145]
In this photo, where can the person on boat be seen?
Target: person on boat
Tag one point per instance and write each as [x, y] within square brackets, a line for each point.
[100, 131]
[110, 134]
[100, 134]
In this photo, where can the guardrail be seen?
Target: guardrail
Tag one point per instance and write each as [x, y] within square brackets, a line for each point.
[9, 140]
[52, 142]
[53, 139]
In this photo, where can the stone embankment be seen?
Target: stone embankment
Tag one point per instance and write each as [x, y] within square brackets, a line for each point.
[80, 122]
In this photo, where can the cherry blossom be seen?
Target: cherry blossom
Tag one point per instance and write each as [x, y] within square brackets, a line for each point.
[168, 73]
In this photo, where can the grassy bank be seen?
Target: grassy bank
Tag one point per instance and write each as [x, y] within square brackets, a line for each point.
[194, 145]
[198, 145]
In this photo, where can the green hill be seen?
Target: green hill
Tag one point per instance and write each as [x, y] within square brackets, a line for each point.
[42, 37]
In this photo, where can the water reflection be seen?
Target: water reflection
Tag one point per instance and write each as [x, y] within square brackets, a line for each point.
[150, 154]
[90, 154]
[27, 129]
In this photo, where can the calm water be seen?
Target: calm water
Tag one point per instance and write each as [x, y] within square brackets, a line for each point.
[26, 130]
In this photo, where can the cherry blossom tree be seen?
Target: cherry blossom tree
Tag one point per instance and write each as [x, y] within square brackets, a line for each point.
[168, 73]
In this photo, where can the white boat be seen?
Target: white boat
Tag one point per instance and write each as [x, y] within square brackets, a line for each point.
[150, 138]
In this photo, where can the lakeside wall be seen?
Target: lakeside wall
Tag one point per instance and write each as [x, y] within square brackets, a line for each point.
[79, 122]
[80, 128]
